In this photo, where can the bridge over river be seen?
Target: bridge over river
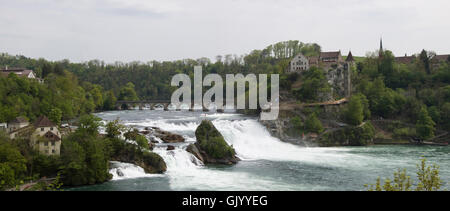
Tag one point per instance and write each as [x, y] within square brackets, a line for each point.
[166, 104]
[158, 104]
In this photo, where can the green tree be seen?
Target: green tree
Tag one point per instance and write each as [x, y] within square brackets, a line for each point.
[428, 180]
[114, 129]
[142, 141]
[313, 124]
[354, 114]
[110, 101]
[425, 125]
[89, 124]
[315, 85]
[297, 123]
[55, 116]
[425, 59]
[97, 96]
[12, 165]
[128, 93]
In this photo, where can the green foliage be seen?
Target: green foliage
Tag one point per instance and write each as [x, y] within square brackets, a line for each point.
[445, 115]
[425, 125]
[428, 180]
[12, 165]
[313, 124]
[297, 123]
[55, 116]
[142, 141]
[428, 176]
[85, 159]
[55, 185]
[314, 87]
[404, 132]
[354, 113]
[89, 124]
[350, 136]
[114, 129]
[212, 142]
[133, 134]
[123, 151]
[25, 97]
[127, 93]
[110, 101]
[44, 166]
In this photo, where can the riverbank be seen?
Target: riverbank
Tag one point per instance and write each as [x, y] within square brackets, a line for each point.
[336, 133]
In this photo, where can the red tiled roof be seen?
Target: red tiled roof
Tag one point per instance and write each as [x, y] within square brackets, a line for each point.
[405, 59]
[21, 72]
[43, 121]
[331, 54]
[440, 58]
[19, 119]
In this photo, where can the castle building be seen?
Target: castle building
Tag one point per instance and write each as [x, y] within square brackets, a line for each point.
[337, 70]
[302, 63]
[298, 64]
[333, 57]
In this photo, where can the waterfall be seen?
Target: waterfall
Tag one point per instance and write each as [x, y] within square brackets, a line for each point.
[127, 170]
[251, 140]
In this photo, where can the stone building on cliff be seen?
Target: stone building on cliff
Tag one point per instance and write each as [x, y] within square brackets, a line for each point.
[337, 70]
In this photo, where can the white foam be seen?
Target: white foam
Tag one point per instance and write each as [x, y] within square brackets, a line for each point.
[128, 171]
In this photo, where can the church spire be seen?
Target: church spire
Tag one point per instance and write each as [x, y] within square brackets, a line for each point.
[381, 48]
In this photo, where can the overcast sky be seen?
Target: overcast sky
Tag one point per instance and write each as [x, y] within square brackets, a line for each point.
[133, 30]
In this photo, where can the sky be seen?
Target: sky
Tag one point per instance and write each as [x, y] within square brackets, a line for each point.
[163, 30]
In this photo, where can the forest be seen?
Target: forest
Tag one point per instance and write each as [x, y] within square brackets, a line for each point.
[392, 90]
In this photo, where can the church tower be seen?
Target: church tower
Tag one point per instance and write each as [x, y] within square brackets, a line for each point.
[380, 53]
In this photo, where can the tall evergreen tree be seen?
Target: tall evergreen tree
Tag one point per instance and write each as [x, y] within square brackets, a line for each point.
[425, 125]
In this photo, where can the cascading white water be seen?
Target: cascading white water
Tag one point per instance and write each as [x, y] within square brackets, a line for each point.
[268, 163]
[127, 170]
[251, 141]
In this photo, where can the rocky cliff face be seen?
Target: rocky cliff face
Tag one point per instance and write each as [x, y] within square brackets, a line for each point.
[283, 129]
[129, 153]
[339, 77]
[211, 147]
[164, 136]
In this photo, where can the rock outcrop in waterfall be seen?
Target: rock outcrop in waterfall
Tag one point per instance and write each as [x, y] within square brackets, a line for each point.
[211, 147]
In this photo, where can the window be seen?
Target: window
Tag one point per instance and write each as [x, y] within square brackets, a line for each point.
[42, 129]
[46, 143]
[53, 143]
[53, 151]
[51, 128]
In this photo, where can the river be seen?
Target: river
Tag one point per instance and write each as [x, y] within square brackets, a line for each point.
[267, 163]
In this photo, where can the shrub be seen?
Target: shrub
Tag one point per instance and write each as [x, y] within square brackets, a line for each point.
[313, 124]
[212, 142]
